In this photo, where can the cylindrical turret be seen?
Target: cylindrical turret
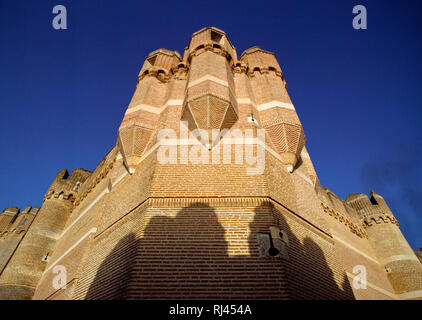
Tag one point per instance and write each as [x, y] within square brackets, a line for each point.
[403, 268]
[143, 113]
[21, 275]
[276, 111]
[210, 101]
[12, 233]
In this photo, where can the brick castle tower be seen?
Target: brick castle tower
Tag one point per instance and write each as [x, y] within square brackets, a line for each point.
[180, 209]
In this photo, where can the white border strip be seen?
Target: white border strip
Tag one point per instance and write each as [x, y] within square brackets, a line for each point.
[275, 104]
[356, 250]
[206, 78]
[154, 109]
[300, 174]
[268, 105]
[93, 230]
[84, 211]
[144, 107]
[304, 155]
[373, 286]
[245, 101]
[400, 257]
[106, 190]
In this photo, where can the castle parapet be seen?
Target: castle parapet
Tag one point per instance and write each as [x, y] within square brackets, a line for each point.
[403, 268]
[276, 111]
[20, 278]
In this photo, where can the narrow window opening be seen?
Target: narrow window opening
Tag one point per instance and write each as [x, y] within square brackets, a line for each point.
[374, 201]
[216, 37]
[46, 257]
[77, 186]
[273, 251]
[24, 222]
[152, 60]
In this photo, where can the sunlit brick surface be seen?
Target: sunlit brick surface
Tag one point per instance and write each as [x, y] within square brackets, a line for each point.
[138, 228]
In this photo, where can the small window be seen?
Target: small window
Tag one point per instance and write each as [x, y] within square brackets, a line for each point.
[374, 201]
[77, 186]
[216, 37]
[45, 258]
[23, 222]
[152, 60]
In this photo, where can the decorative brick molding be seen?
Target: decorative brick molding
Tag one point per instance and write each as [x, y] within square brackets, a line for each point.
[360, 232]
[378, 219]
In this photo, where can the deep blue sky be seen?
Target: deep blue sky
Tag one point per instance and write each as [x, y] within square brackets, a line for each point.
[358, 93]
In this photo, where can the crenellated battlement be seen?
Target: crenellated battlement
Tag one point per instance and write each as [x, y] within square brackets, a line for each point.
[65, 186]
[379, 218]
[371, 210]
[262, 61]
[160, 64]
[100, 172]
[354, 228]
[210, 39]
[393, 251]
[165, 64]
[14, 221]
[11, 211]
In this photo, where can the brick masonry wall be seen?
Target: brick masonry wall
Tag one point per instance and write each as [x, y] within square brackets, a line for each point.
[12, 231]
[179, 231]
[22, 273]
[314, 271]
[204, 252]
[8, 246]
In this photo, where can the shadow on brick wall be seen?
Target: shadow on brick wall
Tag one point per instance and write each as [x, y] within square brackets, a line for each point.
[308, 274]
[187, 257]
[112, 276]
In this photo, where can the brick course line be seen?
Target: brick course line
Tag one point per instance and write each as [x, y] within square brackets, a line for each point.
[122, 217]
[268, 105]
[329, 236]
[105, 191]
[85, 211]
[275, 104]
[67, 284]
[153, 109]
[400, 257]
[93, 230]
[208, 78]
[355, 249]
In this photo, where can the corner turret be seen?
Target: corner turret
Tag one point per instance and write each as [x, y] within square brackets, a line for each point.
[403, 268]
[276, 111]
[210, 101]
[22, 273]
[143, 113]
